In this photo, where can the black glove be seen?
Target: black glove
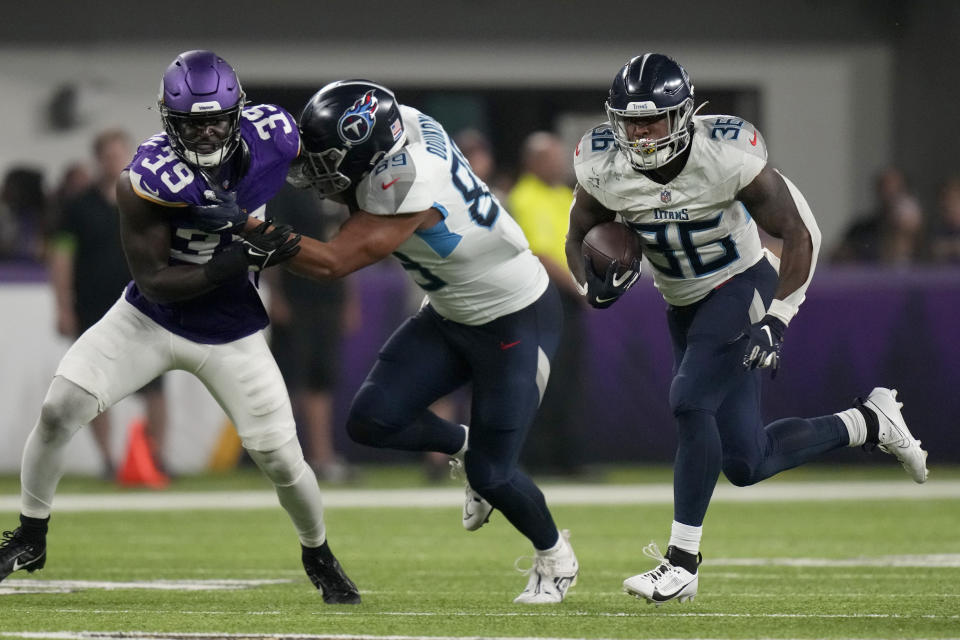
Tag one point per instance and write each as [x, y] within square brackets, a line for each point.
[763, 347]
[267, 248]
[222, 214]
[256, 251]
[601, 293]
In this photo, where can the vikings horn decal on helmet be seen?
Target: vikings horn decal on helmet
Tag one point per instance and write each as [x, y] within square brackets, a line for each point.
[200, 102]
[651, 86]
[346, 128]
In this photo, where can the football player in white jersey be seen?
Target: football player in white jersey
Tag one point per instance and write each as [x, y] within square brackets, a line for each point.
[491, 316]
[695, 188]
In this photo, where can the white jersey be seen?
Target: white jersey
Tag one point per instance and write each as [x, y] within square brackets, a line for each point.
[695, 234]
[475, 265]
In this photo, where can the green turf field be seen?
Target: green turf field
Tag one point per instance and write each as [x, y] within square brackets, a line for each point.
[842, 568]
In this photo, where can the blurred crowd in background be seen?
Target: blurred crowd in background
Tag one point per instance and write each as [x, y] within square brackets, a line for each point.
[68, 224]
[900, 227]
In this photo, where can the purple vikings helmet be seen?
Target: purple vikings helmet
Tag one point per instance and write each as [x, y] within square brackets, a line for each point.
[651, 86]
[200, 102]
[346, 128]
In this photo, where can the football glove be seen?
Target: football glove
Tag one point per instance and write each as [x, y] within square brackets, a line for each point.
[267, 248]
[603, 292]
[222, 214]
[255, 252]
[763, 346]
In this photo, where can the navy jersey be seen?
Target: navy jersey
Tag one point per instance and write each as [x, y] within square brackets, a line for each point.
[233, 310]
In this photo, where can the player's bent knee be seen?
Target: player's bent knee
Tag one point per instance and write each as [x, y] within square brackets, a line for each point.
[683, 396]
[365, 430]
[369, 421]
[67, 406]
[283, 466]
[739, 473]
[485, 475]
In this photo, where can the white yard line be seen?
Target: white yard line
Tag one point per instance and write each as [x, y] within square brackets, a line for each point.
[561, 494]
[142, 635]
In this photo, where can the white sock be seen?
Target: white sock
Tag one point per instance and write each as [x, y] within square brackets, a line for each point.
[856, 426]
[466, 439]
[685, 537]
[552, 550]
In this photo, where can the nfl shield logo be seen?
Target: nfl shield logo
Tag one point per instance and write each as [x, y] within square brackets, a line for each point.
[665, 196]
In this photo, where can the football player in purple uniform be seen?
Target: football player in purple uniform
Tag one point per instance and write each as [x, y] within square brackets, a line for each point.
[185, 200]
[695, 189]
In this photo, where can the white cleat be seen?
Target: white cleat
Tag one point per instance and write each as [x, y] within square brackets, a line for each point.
[552, 574]
[895, 438]
[476, 510]
[664, 583]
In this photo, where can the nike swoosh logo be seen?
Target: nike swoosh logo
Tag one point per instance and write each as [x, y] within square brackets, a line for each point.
[766, 330]
[662, 597]
[143, 185]
[387, 185]
[17, 566]
[619, 281]
[754, 140]
[602, 300]
[504, 346]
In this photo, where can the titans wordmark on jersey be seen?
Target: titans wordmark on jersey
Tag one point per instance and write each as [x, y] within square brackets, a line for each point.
[475, 264]
[695, 233]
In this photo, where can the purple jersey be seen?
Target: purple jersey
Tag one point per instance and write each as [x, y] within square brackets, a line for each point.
[233, 310]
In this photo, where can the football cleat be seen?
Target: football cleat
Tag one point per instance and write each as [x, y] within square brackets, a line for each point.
[665, 583]
[476, 510]
[328, 576]
[552, 574]
[19, 552]
[894, 436]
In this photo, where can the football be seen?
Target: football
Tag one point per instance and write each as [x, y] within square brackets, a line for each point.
[609, 241]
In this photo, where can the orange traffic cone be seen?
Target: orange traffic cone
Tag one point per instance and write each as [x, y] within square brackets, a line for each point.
[138, 467]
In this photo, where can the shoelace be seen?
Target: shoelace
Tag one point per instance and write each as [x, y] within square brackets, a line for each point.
[8, 537]
[457, 472]
[542, 563]
[653, 551]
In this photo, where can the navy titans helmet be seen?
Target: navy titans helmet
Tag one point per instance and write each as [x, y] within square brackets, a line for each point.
[198, 90]
[345, 129]
[651, 86]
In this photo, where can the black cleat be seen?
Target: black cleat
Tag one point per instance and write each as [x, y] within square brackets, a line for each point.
[17, 552]
[328, 576]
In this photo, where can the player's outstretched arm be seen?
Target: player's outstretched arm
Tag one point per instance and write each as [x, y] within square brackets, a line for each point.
[585, 213]
[145, 234]
[363, 239]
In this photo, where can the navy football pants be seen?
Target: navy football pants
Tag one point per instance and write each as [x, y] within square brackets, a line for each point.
[716, 401]
[507, 361]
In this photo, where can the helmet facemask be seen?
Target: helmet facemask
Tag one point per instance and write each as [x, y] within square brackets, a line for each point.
[651, 153]
[185, 132]
[322, 172]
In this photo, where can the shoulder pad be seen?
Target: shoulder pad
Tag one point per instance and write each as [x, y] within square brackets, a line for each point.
[391, 187]
[735, 132]
[271, 126]
[596, 149]
[159, 175]
[596, 141]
